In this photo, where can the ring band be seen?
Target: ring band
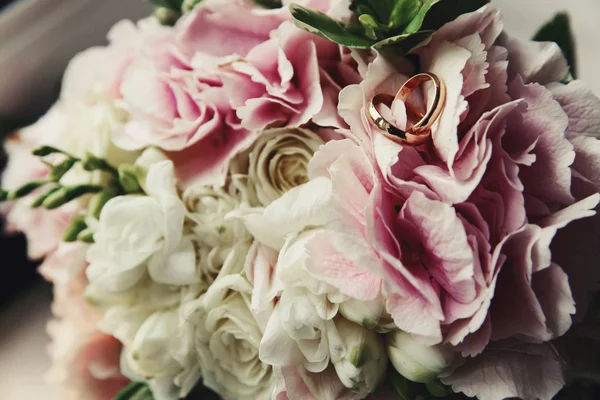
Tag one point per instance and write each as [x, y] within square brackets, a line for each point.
[420, 132]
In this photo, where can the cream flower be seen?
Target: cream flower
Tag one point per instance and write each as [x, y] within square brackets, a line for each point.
[145, 319]
[416, 361]
[278, 161]
[136, 234]
[227, 338]
[213, 236]
[359, 358]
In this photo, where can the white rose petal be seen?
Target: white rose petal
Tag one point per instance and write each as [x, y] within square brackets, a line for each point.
[227, 338]
[278, 161]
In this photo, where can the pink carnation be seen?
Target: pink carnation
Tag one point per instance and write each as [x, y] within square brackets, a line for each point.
[289, 80]
[174, 92]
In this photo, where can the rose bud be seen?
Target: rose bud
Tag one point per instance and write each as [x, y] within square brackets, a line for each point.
[358, 356]
[416, 361]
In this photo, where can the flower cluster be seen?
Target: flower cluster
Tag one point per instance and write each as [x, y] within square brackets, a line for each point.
[240, 223]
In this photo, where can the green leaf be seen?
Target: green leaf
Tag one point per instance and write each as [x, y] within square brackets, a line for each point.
[200, 392]
[135, 391]
[417, 21]
[438, 389]
[320, 24]
[371, 26]
[402, 387]
[402, 44]
[269, 3]
[558, 30]
[404, 12]
[443, 11]
[379, 9]
[3, 195]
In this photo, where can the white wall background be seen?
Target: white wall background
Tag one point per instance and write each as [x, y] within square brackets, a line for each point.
[32, 58]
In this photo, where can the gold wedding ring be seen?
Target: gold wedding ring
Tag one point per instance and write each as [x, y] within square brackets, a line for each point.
[420, 132]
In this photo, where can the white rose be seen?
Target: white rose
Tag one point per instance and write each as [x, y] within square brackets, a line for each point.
[296, 333]
[416, 361]
[278, 161]
[213, 235]
[136, 234]
[358, 356]
[227, 339]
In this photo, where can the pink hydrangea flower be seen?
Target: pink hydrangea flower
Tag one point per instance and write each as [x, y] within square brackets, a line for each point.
[459, 232]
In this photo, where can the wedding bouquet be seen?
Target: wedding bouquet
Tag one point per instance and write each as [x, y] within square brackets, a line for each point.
[384, 199]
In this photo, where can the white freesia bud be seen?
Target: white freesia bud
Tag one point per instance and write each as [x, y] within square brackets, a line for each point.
[358, 356]
[278, 161]
[416, 361]
[365, 313]
[150, 353]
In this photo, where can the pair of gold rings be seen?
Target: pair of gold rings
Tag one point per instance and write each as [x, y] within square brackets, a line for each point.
[420, 132]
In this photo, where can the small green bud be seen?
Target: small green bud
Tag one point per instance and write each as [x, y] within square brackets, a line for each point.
[3, 195]
[40, 200]
[86, 236]
[98, 201]
[166, 16]
[61, 169]
[188, 5]
[44, 151]
[25, 189]
[128, 178]
[66, 194]
[76, 226]
[93, 163]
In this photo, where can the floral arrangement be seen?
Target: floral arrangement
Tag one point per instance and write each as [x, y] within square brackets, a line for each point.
[328, 200]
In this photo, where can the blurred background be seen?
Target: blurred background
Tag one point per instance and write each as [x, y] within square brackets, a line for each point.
[37, 38]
